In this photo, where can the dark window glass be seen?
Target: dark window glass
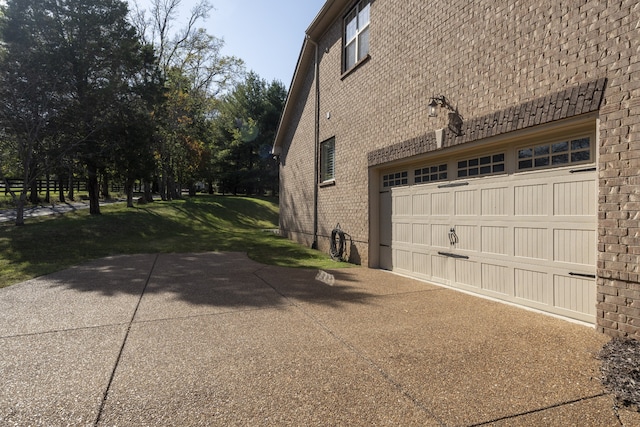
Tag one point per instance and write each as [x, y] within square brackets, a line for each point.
[462, 164]
[560, 159]
[560, 147]
[579, 144]
[485, 160]
[542, 161]
[485, 169]
[542, 150]
[523, 154]
[498, 158]
[498, 168]
[525, 164]
[462, 173]
[473, 171]
[580, 156]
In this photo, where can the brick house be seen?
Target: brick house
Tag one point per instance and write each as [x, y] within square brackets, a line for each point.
[489, 146]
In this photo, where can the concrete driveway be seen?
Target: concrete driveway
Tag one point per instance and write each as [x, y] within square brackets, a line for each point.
[217, 339]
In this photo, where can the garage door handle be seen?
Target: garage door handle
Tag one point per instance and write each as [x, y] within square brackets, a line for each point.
[455, 184]
[590, 276]
[582, 170]
[450, 255]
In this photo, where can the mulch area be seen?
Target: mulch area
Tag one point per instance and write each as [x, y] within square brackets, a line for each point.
[620, 371]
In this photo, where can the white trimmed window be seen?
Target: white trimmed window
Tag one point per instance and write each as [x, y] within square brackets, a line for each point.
[327, 160]
[356, 34]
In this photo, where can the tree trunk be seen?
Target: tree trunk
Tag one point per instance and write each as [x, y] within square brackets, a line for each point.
[20, 208]
[61, 188]
[33, 197]
[94, 190]
[105, 186]
[128, 188]
[47, 196]
[71, 194]
[148, 197]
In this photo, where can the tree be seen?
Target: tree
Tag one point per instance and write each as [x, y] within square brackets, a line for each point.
[103, 58]
[195, 73]
[244, 129]
[31, 89]
[66, 68]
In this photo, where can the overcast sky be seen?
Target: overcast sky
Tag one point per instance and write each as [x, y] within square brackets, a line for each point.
[266, 34]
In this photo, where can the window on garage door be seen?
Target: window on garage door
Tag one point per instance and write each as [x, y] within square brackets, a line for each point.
[395, 179]
[483, 165]
[555, 154]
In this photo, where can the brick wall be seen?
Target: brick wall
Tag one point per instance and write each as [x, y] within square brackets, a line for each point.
[485, 57]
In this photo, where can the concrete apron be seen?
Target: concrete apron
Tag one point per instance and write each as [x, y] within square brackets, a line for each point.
[217, 339]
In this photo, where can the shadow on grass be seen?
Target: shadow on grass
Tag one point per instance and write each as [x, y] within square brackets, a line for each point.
[193, 226]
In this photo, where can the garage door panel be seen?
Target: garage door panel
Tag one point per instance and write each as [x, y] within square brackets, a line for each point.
[422, 204]
[422, 264]
[574, 246]
[440, 268]
[531, 242]
[402, 204]
[495, 240]
[574, 294]
[497, 278]
[467, 273]
[531, 200]
[532, 286]
[466, 203]
[468, 239]
[422, 234]
[440, 204]
[402, 260]
[574, 198]
[402, 232]
[495, 202]
[440, 235]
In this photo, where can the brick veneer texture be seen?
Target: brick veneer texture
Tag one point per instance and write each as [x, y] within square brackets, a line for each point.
[501, 64]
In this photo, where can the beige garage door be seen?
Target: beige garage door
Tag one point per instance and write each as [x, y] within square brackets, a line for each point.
[527, 238]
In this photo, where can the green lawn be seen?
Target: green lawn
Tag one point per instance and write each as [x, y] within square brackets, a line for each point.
[199, 224]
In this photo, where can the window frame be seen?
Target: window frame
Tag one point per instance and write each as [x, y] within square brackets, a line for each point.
[328, 153]
[359, 30]
[545, 155]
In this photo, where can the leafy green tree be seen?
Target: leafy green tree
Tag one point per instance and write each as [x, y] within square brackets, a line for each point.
[196, 73]
[103, 58]
[66, 68]
[244, 129]
[32, 90]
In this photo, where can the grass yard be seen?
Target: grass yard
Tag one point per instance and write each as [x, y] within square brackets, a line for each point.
[200, 224]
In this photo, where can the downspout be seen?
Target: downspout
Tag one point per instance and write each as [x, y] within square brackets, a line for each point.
[316, 162]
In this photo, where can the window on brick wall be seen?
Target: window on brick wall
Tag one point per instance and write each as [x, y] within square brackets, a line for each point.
[356, 34]
[327, 160]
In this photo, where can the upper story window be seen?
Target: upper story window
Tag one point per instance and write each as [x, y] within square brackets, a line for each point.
[356, 34]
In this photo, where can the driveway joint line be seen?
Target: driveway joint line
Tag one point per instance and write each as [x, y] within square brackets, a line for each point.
[124, 343]
[534, 411]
